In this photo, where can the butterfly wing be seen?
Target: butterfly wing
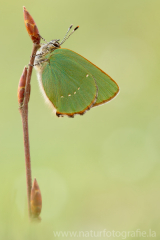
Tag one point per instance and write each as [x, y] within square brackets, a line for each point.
[107, 87]
[67, 84]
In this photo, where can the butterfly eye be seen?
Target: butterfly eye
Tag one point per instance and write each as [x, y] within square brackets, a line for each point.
[56, 44]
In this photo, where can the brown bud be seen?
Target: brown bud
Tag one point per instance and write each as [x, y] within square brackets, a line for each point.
[36, 199]
[21, 87]
[31, 27]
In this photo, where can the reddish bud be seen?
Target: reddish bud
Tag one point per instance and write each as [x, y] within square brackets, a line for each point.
[31, 27]
[21, 87]
[36, 199]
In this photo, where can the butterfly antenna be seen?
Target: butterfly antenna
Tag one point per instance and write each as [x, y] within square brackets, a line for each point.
[67, 32]
[43, 38]
[65, 38]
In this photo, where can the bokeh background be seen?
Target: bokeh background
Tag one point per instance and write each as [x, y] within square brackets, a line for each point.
[97, 171]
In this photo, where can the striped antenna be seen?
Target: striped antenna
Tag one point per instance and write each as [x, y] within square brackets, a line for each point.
[65, 38]
[67, 32]
[43, 38]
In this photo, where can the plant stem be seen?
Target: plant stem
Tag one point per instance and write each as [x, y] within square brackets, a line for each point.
[24, 115]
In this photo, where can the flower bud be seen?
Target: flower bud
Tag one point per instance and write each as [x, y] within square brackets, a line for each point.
[31, 27]
[21, 87]
[36, 200]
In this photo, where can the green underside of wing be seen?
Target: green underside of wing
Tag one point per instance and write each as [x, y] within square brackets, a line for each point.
[66, 85]
[107, 87]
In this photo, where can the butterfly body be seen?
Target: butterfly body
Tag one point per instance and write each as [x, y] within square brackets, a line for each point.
[69, 82]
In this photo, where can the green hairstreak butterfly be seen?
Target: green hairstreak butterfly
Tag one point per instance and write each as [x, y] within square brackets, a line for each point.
[70, 83]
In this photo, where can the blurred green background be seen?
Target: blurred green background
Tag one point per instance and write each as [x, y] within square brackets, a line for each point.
[97, 171]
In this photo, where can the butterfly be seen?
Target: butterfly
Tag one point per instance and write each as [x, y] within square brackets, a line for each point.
[70, 83]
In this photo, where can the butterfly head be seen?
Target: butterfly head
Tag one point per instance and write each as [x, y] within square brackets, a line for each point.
[51, 46]
[54, 43]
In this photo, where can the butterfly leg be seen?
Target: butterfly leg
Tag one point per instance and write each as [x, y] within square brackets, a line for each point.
[36, 55]
[43, 38]
[39, 63]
